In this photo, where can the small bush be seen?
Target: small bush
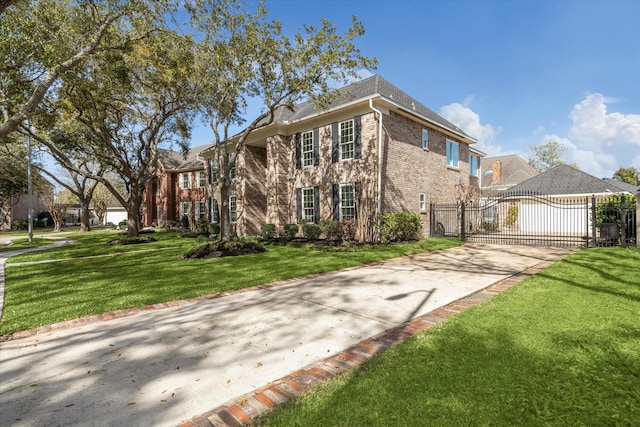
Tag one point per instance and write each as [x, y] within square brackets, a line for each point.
[311, 231]
[20, 224]
[291, 230]
[221, 249]
[349, 230]
[332, 230]
[268, 231]
[400, 227]
[214, 229]
[122, 224]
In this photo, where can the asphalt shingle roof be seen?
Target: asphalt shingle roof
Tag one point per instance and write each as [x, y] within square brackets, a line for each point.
[514, 170]
[174, 160]
[362, 89]
[564, 179]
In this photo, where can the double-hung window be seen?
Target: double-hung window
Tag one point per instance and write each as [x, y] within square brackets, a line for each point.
[422, 202]
[233, 209]
[185, 209]
[201, 210]
[452, 153]
[214, 211]
[347, 202]
[213, 171]
[473, 165]
[185, 180]
[202, 179]
[347, 146]
[307, 148]
[308, 206]
[425, 139]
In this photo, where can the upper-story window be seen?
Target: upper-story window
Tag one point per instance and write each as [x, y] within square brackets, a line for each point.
[307, 148]
[202, 179]
[213, 171]
[425, 139]
[346, 140]
[232, 167]
[473, 164]
[452, 153]
[185, 180]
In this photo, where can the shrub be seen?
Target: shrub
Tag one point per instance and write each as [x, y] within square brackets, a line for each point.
[400, 227]
[268, 231]
[20, 224]
[512, 215]
[291, 230]
[311, 231]
[221, 249]
[332, 230]
[122, 224]
[214, 229]
[349, 230]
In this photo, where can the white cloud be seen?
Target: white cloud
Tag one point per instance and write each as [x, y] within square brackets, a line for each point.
[594, 127]
[469, 121]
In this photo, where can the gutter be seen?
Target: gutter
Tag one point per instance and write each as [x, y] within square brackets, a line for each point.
[379, 156]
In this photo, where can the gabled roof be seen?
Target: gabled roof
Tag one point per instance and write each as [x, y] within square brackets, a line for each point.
[174, 160]
[565, 180]
[514, 171]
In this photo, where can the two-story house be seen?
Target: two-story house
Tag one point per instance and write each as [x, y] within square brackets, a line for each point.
[373, 150]
[178, 188]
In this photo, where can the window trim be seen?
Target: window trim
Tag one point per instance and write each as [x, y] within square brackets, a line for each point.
[186, 175]
[201, 209]
[472, 162]
[201, 179]
[305, 208]
[307, 162]
[425, 139]
[453, 161]
[215, 213]
[233, 209]
[342, 143]
[342, 206]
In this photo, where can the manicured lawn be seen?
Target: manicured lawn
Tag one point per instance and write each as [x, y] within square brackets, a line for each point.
[561, 348]
[23, 243]
[79, 285]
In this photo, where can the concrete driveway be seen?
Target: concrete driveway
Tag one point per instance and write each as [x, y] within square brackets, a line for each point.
[165, 366]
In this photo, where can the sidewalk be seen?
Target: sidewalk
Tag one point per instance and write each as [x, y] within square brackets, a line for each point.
[163, 367]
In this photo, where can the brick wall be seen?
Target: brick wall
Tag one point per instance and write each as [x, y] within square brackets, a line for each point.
[409, 170]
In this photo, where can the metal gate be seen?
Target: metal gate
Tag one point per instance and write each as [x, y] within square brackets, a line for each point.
[538, 220]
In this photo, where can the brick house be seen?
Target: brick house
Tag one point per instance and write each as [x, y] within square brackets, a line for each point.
[177, 189]
[373, 150]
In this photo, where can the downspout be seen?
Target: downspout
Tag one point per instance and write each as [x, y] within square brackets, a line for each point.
[379, 157]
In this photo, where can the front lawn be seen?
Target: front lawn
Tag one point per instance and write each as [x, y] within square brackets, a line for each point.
[561, 348]
[84, 282]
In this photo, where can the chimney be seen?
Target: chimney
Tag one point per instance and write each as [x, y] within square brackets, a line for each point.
[496, 167]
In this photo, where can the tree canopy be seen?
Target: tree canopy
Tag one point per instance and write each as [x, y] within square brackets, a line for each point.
[629, 175]
[545, 156]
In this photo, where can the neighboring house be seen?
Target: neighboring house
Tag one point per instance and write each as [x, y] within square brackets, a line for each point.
[116, 213]
[500, 173]
[373, 150]
[178, 188]
[16, 209]
[624, 186]
[567, 207]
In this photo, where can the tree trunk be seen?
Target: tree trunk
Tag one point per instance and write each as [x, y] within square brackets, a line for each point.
[223, 203]
[85, 223]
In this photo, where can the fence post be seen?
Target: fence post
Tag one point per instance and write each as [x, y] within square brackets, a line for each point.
[431, 225]
[638, 222]
[463, 230]
[593, 222]
[623, 217]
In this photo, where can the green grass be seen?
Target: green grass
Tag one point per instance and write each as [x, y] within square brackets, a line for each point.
[23, 243]
[561, 348]
[132, 276]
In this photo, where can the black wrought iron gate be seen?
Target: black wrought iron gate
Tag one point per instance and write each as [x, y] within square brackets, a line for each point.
[538, 220]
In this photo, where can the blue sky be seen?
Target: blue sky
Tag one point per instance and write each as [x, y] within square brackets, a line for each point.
[513, 74]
